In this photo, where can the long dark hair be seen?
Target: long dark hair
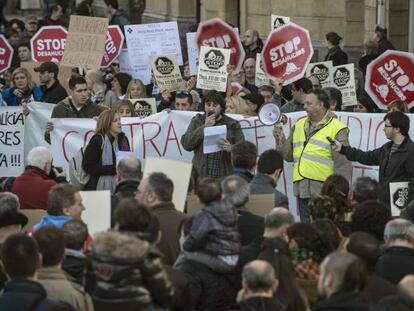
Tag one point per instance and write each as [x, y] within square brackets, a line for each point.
[276, 252]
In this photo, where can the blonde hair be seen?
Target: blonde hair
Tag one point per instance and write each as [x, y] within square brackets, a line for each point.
[239, 104]
[398, 105]
[127, 103]
[30, 82]
[140, 84]
[370, 47]
[105, 120]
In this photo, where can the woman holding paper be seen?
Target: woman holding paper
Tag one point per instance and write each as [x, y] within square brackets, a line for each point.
[100, 155]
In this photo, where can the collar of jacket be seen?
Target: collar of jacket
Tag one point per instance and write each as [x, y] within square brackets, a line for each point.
[127, 185]
[264, 178]
[164, 206]
[23, 285]
[333, 50]
[48, 89]
[51, 273]
[36, 170]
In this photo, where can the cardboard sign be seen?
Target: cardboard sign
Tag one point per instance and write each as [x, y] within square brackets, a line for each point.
[323, 71]
[97, 213]
[192, 51]
[146, 40]
[167, 73]
[11, 141]
[260, 78]
[279, 21]
[398, 197]
[85, 43]
[144, 107]
[179, 172]
[212, 72]
[344, 80]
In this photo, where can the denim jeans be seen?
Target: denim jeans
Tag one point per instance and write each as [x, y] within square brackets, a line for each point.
[303, 209]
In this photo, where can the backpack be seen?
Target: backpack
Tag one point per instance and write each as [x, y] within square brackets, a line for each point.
[77, 175]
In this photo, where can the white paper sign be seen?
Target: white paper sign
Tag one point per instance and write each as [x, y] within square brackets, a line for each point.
[11, 141]
[167, 73]
[279, 21]
[344, 80]
[97, 213]
[212, 137]
[323, 71]
[145, 40]
[212, 72]
[398, 197]
[134, 71]
[144, 107]
[192, 51]
[261, 78]
[179, 172]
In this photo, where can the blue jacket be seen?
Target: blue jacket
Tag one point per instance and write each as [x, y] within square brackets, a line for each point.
[11, 99]
[24, 295]
[57, 221]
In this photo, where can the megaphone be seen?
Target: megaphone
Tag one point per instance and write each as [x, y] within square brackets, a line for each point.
[269, 114]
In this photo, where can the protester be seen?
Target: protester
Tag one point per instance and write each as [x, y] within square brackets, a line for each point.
[53, 91]
[156, 191]
[254, 101]
[12, 36]
[33, 185]
[100, 153]
[54, 18]
[249, 69]
[100, 95]
[243, 157]
[136, 89]
[269, 169]
[252, 43]
[267, 92]
[380, 38]
[125, 108]
[397, 259]
[364, 104]
[24, 90]
[237, 105]
[309, 149]
[364, 188]
[30, 28]
[335, 98]
[120, 84]
[216, 164]
[20, 259]
[393, 158]
[398, 105]
[370, 53]
[335, 53]
[24, 52]
[117, 14]
[11, 219]
[300, 88]
[184, 101]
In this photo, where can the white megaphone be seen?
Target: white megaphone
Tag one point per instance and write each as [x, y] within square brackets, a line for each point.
[269, 114]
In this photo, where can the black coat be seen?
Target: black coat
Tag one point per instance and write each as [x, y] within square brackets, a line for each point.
[24, 295]
[377, 288]
[343, 302]
[125, 189]
[250, 226]
[261, 304]
[182, 289]
[395, 263]
[337, 56]
[54, 94]
[397, 169]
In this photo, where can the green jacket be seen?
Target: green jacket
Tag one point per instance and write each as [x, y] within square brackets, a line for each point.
[192, 140]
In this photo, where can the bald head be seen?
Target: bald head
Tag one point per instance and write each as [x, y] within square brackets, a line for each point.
[129, 168]
[277, 221]
[259, 277]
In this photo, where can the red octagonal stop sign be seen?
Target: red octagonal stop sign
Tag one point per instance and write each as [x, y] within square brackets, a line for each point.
[390, 77]
[48, 44]
[113, 45]
[216, 33]
[6, 54]
[287, 53]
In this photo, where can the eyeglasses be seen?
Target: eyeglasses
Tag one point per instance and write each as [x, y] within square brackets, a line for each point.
[386, 125]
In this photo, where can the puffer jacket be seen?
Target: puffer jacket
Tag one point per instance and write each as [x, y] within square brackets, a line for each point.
[125, 273]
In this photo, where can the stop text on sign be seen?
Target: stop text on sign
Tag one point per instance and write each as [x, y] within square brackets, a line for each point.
[396, 78]
[222, 42]
[48, 44]
[285, 52]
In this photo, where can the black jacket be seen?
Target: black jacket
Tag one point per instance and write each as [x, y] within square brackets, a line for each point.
[75, 265]
[343, 302]
[125, 189]
[397, 169]
[250, 226]
[27, 295]
[261, 304]
[395, 263]
[264, 184]
[92, 161]
[54, 94]
[377, 288]
[182, 290]
[337, 56]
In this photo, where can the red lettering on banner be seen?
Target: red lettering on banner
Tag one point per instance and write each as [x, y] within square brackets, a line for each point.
[360, 126]
[63, 144]
[86, 138]
[131, 126]
[151, 139]
[369, 132]
[255, 133]
[247, 121]
[363, 169]
[376, 134]
[174, 138]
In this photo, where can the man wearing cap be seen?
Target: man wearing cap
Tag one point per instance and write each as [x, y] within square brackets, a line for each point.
[53, 91]
[31, 25]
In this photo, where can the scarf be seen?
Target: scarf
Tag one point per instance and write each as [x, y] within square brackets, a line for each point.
[107, 182]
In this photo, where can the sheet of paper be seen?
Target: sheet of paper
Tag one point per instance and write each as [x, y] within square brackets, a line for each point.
[398, 197]
[344, 80]
[260, 78]
[125, 66]
[179, 172]
[192, 53]
[212, 137]
[97, 213]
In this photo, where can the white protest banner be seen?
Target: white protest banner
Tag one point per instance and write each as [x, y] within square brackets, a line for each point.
[85, 43]
[97, 213]
[144, 107]
[11, 141]
[212, 72]
[167, 73]
[192, 51]
[260, 78]
[179, 172]
[398, 197]
[344, 80]
[279, 21]
[323, 71]
[125, 66]
[145, 40]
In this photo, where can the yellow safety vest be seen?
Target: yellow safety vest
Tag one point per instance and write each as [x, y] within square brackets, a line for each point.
[313, 157]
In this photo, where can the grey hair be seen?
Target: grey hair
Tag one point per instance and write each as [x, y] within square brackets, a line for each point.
[401, 229]
[129, 168]
[258, 275]
[95, 75]
[9, 202]
[365, 188]
[277, 218]
[236, 190]
[39, 156]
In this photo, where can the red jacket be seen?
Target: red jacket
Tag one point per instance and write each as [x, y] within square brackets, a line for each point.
[32, 188]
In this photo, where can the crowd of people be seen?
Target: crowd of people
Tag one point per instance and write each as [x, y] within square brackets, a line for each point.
[343, 250]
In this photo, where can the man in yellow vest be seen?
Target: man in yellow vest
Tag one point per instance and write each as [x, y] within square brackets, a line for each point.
[310, 150]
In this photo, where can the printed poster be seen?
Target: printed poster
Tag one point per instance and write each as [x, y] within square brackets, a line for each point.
[279, 21]
[167, 73]
[323, 71]
[261, 78]
[344, 80]
[212, 72]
